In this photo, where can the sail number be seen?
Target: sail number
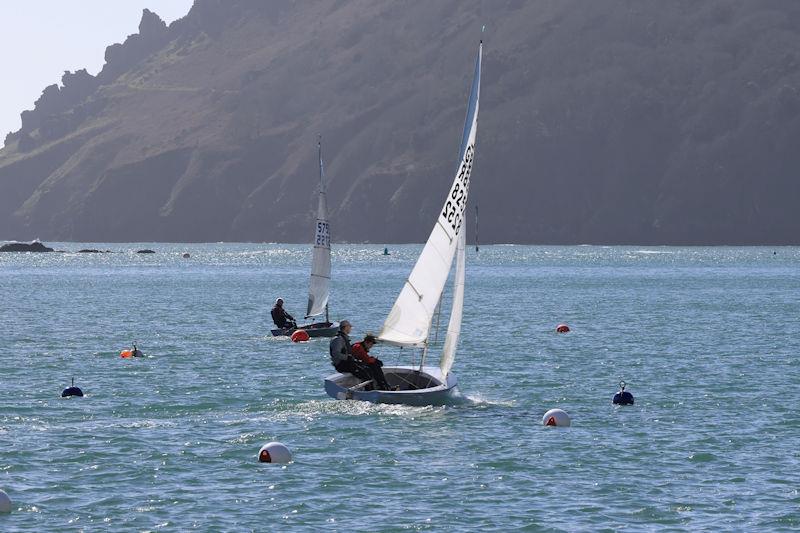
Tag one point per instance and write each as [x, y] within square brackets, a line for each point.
[323, 236]
[453, 213]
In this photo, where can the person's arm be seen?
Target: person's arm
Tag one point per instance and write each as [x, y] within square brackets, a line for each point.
[362, 355]
[359, 353]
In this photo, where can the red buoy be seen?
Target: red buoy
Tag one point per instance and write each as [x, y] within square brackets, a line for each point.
[300, 335]
[562, 328]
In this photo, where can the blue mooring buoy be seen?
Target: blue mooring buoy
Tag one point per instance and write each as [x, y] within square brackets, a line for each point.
[623, 397]
[72, 391]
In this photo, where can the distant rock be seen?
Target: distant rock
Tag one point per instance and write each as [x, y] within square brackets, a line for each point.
[145, 251]
[35, 246]
[93, 251]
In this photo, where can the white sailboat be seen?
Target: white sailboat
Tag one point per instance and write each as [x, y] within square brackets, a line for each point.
[409, 322]
[320, 282]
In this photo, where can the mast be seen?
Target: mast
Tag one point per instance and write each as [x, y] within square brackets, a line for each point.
[476, 228]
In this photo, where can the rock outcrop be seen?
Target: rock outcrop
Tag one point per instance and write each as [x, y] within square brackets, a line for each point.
[34, 246]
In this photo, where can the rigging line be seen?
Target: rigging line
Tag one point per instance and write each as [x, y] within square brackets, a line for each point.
[439, 222]
[404, 380]
[413, 288]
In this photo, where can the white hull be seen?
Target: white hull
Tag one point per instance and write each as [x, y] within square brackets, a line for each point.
[425, 387]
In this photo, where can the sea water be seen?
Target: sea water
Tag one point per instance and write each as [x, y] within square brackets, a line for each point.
[708, 340]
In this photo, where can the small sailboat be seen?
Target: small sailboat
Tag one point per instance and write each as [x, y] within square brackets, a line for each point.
[410, 321]
[319, 284]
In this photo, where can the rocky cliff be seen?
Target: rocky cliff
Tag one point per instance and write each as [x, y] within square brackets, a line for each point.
[612, 121]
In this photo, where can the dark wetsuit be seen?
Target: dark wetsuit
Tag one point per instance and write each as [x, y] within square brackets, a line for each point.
[281, 318]
[342, 358]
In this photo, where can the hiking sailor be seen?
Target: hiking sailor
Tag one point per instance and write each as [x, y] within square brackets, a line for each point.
[281, 318]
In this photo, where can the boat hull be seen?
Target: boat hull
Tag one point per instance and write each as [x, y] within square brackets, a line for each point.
[417, 387]
[319, 329]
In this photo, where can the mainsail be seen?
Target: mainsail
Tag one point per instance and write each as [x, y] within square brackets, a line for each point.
[319, 285]
[409, 321]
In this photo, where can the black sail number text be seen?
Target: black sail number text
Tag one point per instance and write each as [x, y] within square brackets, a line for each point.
[453, 213]
[323, 237]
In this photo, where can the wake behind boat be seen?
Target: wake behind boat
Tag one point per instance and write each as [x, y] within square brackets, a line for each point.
[319, 284]
[409, 322]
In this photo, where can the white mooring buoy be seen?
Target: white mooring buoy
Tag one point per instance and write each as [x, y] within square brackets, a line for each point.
[5, 502]
[556, 417]
[274, 452]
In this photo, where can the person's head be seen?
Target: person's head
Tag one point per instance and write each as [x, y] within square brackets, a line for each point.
[345, 326]
[369, 341]
[279, 302]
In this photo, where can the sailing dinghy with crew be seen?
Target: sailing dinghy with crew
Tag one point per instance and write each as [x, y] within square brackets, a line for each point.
[319, 285]
[409, 322]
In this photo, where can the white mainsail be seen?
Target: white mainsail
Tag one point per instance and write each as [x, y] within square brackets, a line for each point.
[409, 321]
[319, 286]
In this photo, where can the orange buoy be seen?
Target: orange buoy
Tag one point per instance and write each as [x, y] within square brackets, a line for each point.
[562, 328]
[126, 353]
[300, 335]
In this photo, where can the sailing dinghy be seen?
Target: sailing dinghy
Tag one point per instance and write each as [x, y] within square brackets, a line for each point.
[409, 322]
[319, 285]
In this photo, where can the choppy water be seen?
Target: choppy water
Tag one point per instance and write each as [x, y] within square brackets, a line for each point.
[707, 338]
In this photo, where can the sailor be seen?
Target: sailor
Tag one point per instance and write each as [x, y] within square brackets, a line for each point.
[342, 354]
[361, 353]
[281, 318]
[136, 352]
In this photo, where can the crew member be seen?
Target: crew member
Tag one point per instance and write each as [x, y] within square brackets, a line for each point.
[361, 353]
[342, 357]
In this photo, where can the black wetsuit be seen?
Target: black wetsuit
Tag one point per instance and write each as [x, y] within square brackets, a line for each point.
[281, 318]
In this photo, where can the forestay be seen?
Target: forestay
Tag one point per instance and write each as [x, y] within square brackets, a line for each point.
[319, 286]
[409, 321]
